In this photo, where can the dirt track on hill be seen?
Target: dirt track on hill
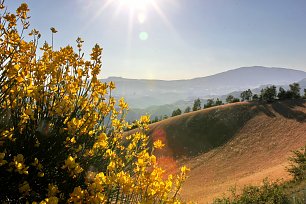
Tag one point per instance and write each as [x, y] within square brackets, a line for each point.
[259, 147]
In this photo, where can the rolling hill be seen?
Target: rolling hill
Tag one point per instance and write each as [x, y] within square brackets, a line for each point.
[142, 93]
[234, 144]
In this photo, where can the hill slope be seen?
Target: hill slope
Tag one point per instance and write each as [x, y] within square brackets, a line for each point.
[141, 93]
[229, 145]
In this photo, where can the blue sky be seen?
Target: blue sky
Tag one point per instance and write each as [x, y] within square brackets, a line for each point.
[178, 39]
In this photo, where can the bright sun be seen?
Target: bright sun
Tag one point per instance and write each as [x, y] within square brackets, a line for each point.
[137, 11]
[136, 4]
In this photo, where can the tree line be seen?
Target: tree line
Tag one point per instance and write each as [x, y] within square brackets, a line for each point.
[268, 94]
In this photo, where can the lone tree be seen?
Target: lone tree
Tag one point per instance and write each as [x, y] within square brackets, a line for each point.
[62, 132]
[269, 93]
[196, 105]
[246, 95]
[176, 112]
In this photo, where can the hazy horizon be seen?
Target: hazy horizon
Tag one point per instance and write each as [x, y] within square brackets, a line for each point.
[177, 39]
[231, 69]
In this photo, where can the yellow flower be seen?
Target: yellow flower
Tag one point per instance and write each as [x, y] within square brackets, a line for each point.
[52, 190]
[184, 169]
[158, 144]
[56, 94]
[69, 162]
[19, 79]
[144, 119]
[111, 166]
[123, 104]
[53, 30]
[77, 195]
[112, 85]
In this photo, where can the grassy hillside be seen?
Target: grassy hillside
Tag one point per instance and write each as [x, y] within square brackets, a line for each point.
[235, 144]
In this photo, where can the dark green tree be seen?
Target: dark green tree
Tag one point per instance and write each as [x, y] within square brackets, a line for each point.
[295, 90]
[282, 93]
[218, 102]
[196, 105]
[176, 112]
[268, 94]
[209, 103]
[246, 95]
[255, 97]
[229, 99]
[304, 94]
[236, 100]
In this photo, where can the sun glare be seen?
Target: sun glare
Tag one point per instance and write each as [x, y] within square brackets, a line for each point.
[136, 4]
[137, 13]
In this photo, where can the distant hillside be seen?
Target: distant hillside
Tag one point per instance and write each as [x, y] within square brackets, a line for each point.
[167, 109]
[142, 93]
[160, 110]
[234, 144]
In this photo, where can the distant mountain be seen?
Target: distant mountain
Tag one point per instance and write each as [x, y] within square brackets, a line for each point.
[142, 93]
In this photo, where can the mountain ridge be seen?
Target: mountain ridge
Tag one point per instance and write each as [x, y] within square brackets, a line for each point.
[141, 93]
[169, 80]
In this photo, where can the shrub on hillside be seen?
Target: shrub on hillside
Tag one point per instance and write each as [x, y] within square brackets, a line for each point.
[268, 192]
[61, 130]
[298, 164]
[274, 192]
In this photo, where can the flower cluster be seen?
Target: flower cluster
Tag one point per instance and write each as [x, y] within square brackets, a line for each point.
[62, 133]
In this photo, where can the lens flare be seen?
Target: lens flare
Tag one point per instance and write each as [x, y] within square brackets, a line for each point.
[143, 36]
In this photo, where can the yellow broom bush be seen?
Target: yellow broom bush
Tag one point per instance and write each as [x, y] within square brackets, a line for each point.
[62, 132]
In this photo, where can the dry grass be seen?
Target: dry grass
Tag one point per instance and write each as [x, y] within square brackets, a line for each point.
[230, 145]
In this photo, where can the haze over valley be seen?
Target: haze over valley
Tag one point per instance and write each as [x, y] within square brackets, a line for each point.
[160, 97]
